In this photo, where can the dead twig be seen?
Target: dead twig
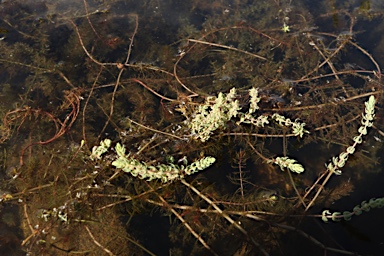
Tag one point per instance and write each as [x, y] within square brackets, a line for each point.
[97, 243]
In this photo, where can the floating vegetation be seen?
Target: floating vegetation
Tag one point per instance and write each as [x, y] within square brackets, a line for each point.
[118, 113]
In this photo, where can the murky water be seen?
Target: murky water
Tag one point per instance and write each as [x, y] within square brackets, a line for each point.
[73, 73]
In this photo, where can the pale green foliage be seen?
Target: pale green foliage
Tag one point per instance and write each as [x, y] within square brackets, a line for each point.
[297, 127]
[165, 173]
[259, 121]
[357, 210]
[339, 162]
[254, 100]
[285, 28]
[290, 164]
[216, 112]
[366, 121]
[248, 118]
[97, 151]
[209, 118]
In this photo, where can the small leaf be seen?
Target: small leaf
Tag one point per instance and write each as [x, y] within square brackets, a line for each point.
[120, 150]
[347, 215]
[365, 206]
[335, 216]
[350, 150]
[341, 163]
[357, 210]
[363, 130]
[358, 139]
[325, 214]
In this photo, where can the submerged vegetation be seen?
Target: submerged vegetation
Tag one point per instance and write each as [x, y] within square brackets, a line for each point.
[121, 120]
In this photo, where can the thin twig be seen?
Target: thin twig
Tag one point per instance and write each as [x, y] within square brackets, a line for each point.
[190, 229]
[97, 243]
[306, 235]
[226, 216]
[151, 90]
[119, 77]
[227, 47]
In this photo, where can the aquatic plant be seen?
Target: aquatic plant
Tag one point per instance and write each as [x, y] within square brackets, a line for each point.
[290, 164]
[366, 121]
[164, 172]
[212, 116]
[334, 167]
[365, 206]
[209, 118]
[185, 119]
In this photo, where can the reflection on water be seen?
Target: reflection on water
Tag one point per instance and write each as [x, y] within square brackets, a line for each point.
[140, 73]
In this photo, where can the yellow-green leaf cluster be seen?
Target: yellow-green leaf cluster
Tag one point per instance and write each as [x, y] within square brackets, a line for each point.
[164, 172]
[366, 121]
[357, 210]
[290, 164]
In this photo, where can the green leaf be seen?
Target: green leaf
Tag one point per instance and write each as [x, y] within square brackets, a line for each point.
[365, 206]
[357, 210]
[325, 214]
[336, 216]
[347, 215]
[363, 130]
[350, 150]
[120, 150]
[358, 139]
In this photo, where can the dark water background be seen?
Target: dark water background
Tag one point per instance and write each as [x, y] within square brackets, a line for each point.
[363, 234]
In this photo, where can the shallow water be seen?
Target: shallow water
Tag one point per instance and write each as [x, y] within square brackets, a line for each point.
[150, 57]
